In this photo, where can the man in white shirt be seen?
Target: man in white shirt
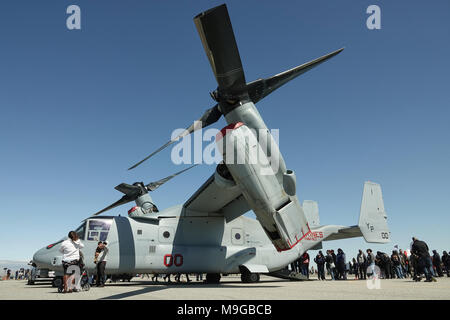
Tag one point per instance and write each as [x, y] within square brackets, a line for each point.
[70, 249]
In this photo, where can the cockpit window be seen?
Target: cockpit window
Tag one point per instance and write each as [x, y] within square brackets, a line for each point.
[81, 231]
[98, 229]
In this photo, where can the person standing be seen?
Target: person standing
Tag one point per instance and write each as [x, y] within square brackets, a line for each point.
[395, 259]
[305, 264]
[437, 263]
[70, 249]
[298, 265]
[446, 262]
[362, 264]
[330, 264]
[403, 265]
[370, 262]
[335, 264]
[102, 256]
[355, 268]
[340, 265]
[320, 261]
[420, 248]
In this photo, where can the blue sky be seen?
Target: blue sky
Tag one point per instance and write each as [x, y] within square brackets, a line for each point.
[79, 107]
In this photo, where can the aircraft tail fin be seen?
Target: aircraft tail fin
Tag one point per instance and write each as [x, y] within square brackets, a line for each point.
[372, 217]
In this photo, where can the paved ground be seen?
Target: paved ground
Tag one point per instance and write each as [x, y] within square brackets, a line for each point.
[232, 288]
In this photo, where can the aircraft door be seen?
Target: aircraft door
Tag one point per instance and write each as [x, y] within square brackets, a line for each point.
[237, 236]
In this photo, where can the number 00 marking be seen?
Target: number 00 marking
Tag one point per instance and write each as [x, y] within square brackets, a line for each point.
[170, 260]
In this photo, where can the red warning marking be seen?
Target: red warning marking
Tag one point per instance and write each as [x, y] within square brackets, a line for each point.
[291, 246]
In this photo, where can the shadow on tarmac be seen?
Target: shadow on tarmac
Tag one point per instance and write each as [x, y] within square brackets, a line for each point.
[163, 286]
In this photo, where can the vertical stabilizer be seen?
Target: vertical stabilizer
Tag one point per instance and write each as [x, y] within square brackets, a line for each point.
[372, 217]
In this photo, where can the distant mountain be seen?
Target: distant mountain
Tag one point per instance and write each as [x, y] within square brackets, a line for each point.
[13, 265]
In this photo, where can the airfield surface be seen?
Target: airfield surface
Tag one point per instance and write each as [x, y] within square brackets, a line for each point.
[232, 288]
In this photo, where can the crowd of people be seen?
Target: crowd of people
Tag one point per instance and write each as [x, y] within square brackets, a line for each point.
[415, 263]
[21, 274]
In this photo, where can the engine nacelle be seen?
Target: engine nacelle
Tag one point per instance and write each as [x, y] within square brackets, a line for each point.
[279, 212]
[135, 212]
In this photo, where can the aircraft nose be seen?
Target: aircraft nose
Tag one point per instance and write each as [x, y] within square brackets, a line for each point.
[42, 258]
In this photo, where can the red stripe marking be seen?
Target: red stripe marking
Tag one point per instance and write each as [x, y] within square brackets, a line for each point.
[224, 130]
[291, 246]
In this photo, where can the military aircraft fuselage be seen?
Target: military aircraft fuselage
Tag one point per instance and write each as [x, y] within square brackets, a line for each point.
[174, 242]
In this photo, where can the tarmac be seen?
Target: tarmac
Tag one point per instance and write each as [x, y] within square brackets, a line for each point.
[231, 288]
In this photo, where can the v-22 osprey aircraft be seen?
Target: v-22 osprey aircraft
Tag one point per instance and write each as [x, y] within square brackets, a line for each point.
[208, 233]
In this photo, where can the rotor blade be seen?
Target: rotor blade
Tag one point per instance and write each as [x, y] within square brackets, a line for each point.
[209, 117]
[123, 200]
[216, 33]
[128, 189]
[261, 88]
[155, 185]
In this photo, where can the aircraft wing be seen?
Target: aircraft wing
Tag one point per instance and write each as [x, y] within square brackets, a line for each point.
[213, 199]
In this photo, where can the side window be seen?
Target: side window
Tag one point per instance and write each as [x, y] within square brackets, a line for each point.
[98, 229]
[81, 231]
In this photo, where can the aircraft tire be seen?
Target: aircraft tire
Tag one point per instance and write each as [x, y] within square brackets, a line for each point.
[213, 278]
[248, 277]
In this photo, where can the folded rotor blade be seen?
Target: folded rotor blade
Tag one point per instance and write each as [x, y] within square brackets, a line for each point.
[128, 189]
[155, 185]
[261, 88]
[209, 117]
[216, 33]
[123, 200]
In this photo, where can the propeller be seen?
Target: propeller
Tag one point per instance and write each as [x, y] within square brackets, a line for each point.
[216, 33]
[137, 189]
[219, 43]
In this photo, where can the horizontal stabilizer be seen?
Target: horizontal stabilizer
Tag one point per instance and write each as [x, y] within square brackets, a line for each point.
[344, 233]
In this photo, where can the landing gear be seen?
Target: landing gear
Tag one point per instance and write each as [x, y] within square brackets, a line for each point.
[248, 277]
[213, 278]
